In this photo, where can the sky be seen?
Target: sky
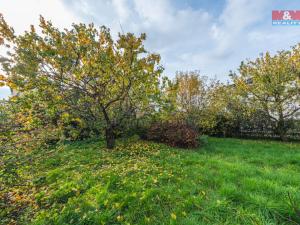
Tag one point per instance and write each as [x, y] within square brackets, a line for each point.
[206, 35]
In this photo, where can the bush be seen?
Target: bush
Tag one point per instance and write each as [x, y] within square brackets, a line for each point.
[176, 134]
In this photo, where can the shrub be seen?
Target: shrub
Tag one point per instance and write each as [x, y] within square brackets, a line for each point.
[177, 134]
[76, 128]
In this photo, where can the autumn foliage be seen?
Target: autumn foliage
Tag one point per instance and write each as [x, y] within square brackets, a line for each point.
[176, 134]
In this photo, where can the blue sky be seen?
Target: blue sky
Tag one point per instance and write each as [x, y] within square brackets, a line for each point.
[210, 36]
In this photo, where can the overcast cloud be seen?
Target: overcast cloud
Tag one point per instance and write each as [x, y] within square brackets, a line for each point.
[210, 36]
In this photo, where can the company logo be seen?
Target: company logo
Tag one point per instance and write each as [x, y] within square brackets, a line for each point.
[286, 17]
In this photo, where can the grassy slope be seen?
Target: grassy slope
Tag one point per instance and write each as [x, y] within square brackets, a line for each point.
[229, 181]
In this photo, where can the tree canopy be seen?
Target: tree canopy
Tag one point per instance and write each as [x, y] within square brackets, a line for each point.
[271, 84]
[116, 77]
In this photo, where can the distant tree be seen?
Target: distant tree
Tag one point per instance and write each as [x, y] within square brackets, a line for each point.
[229, 109]
[113, 77]
[271, 84]
[197, 98]
[191, 90]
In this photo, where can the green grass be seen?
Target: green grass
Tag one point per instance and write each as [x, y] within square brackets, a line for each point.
[228, 181]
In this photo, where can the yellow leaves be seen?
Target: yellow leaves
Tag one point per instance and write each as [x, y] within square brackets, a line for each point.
[117, 205]
[105, 203]
[79, 120]
[2, 80]
[76, 191]
[58, 97]
[71, 56]
[42, 21]
[18, 197]
[12, 85]
[173, 216]
[32, 28]
[120, 218]
[6, 32]
[84, 39]
[65, 116]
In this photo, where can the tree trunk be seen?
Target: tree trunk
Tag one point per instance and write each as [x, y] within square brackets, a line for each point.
[110, 137]
[109, 131]
[282, 134]
[281, 129]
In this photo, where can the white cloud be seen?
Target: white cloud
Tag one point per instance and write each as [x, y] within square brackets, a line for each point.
[187, 38]
[153, 13]
[121, 8]
[21, 14]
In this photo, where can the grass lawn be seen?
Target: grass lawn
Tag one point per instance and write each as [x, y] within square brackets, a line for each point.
[228, 181]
